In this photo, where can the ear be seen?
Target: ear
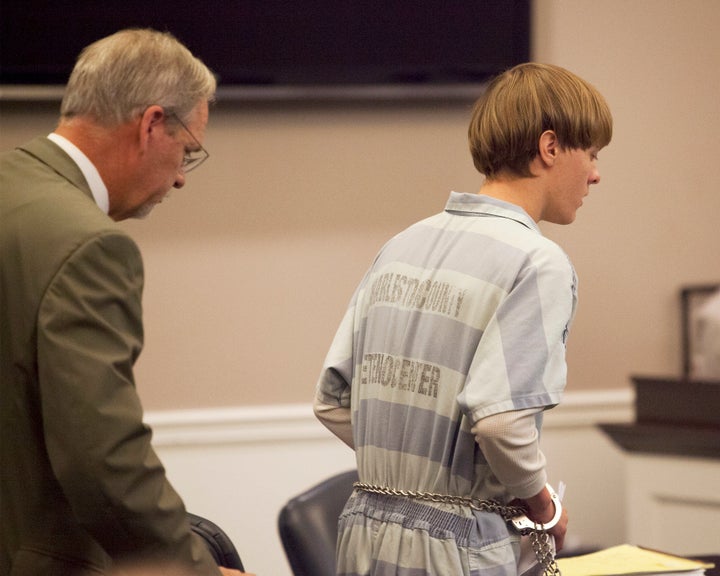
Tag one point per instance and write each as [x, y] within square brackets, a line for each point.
[152, 119]
[548, 147]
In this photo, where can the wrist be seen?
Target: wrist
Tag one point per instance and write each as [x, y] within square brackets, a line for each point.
[557, 509]
[541, 507]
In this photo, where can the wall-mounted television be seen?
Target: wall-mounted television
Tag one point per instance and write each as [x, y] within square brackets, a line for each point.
[282, 43]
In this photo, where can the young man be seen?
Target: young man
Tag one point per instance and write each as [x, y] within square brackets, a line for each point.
[454, 344]
[82, 489]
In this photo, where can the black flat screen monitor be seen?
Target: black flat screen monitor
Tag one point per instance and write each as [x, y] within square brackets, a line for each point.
[256, 43]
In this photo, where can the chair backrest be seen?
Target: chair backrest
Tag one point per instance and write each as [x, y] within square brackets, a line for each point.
[308, 525]
[221, 547]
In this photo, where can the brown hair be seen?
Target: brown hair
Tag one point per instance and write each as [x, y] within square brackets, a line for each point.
[525, 101]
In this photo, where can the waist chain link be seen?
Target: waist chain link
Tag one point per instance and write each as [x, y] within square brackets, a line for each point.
[539, 538]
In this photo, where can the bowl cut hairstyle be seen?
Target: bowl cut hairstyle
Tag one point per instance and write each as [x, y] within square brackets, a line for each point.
[521, 104]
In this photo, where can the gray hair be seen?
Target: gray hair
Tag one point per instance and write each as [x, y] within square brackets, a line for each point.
[119, 76]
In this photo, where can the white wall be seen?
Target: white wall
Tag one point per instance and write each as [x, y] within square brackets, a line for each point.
[238, 466]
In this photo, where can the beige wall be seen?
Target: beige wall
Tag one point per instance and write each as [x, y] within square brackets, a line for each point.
[250, 266]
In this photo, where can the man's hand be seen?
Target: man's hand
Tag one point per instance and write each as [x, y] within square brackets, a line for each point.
[232, 572]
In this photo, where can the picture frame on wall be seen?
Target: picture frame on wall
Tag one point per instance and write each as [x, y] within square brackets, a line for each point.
[692, 299]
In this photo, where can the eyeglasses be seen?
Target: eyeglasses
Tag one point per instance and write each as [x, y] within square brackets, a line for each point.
[191, 158]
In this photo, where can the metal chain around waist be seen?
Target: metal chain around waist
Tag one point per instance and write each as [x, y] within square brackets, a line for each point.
[507, 512]
[539, 538]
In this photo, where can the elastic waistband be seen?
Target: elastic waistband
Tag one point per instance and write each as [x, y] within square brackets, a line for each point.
[466, 526]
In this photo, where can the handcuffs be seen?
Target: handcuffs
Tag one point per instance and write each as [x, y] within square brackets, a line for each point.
[522, 523]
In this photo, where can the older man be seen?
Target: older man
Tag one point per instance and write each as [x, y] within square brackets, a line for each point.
[82, 489]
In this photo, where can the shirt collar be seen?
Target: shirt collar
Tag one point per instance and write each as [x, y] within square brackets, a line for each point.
[482, 205]
[92, 176]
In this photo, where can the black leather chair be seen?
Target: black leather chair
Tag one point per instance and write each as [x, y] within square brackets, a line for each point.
[218, 542]
[308, 525]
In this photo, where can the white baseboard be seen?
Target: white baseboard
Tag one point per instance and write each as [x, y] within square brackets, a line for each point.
[240, 425]
[296, 422]
[238, 466]
[589, 408]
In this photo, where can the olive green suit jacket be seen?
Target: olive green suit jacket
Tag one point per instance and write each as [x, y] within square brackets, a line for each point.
[82, 488]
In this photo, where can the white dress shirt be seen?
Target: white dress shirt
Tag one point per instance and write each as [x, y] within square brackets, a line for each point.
[97, 186]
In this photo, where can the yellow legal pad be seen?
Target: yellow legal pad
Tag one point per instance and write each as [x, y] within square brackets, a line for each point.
[627, 559]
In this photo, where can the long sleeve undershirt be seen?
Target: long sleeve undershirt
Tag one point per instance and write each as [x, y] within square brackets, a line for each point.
[510, 443]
